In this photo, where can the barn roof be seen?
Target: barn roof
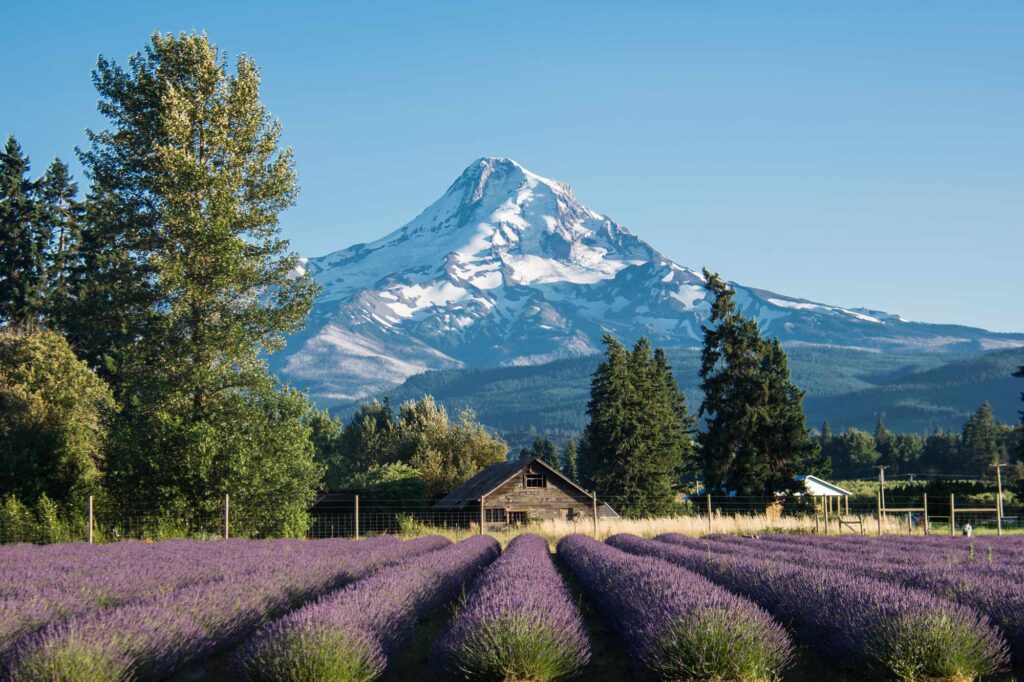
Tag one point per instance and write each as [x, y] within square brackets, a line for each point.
[491, 478]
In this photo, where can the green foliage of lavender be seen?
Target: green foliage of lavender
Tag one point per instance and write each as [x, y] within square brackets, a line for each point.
[160, 631]
[519, 621]
[349, 634]
[880, 628]
[677, 624]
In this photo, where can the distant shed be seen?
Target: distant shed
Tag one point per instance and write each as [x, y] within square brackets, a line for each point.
[829, 493]
[819, 487]
[516, 492]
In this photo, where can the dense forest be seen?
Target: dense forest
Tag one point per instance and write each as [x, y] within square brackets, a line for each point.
[849, 388]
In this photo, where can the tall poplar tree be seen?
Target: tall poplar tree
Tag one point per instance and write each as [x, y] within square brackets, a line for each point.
[756, 437]
[193, 283]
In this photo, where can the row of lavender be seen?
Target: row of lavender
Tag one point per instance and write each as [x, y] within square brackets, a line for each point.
[155, 633]
[719, 608]
[885, 629]
[987, 576]
[41, 584]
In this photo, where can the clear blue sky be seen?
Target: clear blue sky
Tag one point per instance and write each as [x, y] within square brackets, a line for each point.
[862, 157]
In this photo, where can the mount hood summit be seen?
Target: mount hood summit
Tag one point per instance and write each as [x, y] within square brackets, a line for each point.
[508, 268]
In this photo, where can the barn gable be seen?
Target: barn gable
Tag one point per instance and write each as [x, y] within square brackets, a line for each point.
[515, 491]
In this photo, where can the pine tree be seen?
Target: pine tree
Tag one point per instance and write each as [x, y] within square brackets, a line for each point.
[23, 240]
[1020, 439]
[826, 434]
[940, 454]
[570, 465]
[63, 215]
[756, 438]
[633, 445]
[191, 282]
[884, 441]
[980, 442]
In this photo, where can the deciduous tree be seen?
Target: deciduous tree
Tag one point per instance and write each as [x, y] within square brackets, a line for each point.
[54, 418]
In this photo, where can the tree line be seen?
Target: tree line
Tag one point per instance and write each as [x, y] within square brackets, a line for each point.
[970, 453]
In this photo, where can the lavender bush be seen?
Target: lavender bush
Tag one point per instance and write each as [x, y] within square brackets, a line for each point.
[43, 584]
[350, 633]
[881, 628]
[991, 583]
[519, 621]
[677, 624]
[152, 638]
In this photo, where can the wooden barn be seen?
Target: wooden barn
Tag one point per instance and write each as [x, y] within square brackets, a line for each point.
[517, 492]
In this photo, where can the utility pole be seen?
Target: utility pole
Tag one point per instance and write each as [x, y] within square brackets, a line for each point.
[999, 498]
[881, 484]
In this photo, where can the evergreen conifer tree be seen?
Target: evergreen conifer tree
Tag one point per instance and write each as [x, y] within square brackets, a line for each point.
[826, 434]
[63, 215]
[1020, 439]
[980, 444]
[756, 438]
[570, 464]
[884, 441]
[23, 239]
[633, 446]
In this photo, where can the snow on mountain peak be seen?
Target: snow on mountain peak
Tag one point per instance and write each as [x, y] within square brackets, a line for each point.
[507, 267]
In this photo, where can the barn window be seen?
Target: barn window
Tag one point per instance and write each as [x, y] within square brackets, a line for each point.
[495, 514]
[534, 481]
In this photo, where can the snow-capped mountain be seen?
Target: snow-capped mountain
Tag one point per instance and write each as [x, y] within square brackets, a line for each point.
[507, 267]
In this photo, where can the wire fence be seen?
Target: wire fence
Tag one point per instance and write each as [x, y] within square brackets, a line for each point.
[348, 515]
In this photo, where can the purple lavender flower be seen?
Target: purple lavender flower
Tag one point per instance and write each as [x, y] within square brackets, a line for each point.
[519, 621]
[150, 638]
[988, 579]
[677, 624]
[350, 633]
[864, 623]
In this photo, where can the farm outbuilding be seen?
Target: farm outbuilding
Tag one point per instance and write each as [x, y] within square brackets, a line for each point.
[833, 498]
[517, 492]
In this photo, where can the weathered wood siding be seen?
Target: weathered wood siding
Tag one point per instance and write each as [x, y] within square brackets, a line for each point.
[540, 503]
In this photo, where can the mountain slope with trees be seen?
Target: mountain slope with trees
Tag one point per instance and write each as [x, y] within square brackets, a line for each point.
[848, 388]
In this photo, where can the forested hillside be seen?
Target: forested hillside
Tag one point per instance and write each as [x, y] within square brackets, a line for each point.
[849, 388]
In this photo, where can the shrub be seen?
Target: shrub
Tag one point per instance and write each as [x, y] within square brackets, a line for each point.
[350, 633]
[519, 621]
[677, 624]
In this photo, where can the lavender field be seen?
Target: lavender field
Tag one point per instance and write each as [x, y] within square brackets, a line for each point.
[782, 607]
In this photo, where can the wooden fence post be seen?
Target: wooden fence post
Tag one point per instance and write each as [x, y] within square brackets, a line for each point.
[999, 499]
[924, 517]
[482, 514]
[952, 516]
[594, 500]
[90, 519]
[711, 528]
[828, 504]
[357, 517]
[878, 500]
[227, 516]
